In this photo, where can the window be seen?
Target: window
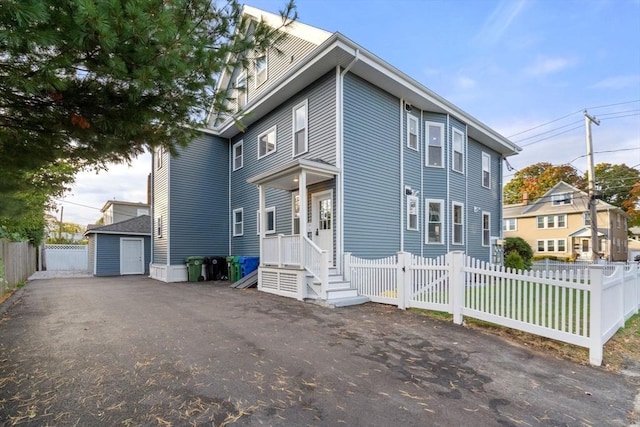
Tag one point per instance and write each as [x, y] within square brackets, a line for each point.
[412, 213]
[552, 221]
[586, 217]
[238, 222]
[458, 223]
[486, 170]
[159, 226]
[295, 212]
[434, 153]
[552, 245]
[562, 199]
[159, 157]
[261, 70]
[238, 156]
[434, 224]
[300, 132]
[510, 224]
[267, 142]
[458, 151]
[271, 220]
[242, 95]
[412, 132]
[486, 228]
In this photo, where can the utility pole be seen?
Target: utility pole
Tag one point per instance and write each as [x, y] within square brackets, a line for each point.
[593, 211]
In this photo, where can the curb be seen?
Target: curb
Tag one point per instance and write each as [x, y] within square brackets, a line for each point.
[9, 302]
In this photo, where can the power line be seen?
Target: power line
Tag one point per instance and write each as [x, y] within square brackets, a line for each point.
[613, 105]
[551, 136]
[547, 131]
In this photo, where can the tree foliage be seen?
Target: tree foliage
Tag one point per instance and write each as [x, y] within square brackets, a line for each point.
[619, 185]
[537, 179]
[522, 248]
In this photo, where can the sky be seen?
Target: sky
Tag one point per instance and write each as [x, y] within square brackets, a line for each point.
[526, 68]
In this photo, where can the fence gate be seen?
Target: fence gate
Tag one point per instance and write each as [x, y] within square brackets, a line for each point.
[66, 257]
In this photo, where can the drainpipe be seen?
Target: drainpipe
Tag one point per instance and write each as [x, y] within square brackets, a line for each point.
[424, 208]
[340, 157]
[447, 204]
[401, 177]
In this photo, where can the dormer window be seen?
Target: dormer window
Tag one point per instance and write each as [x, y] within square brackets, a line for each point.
[261, 70]
[561, 199]
[241, 91]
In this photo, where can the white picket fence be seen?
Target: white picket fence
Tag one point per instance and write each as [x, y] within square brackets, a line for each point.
[583, 308]
[66, 257]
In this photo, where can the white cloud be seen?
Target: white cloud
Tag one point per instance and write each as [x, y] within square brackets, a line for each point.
[545, 65]
[618, 82]
[464, 82]
[499, 21]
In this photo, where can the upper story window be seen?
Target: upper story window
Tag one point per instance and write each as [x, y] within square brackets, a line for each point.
[238, 222]
[412, 213]
[457, 161]
[509, 224]
[300, 129]
[267, 142]
[159, 157]
[434, 154]
[434, 226]
[562, 199]
[552, 221]
[261, 70]
[457, 216]
[586, 217]
[486, 170]
[412, 132]
[238, 155]
[242, 95]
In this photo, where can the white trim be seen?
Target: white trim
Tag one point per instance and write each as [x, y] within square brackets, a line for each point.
[454, 151]
[416, 213]
[241, 94]
[274, 130]
[414, 120]
[427, 162]
[555, 245]
[304, 31]
[128, 233]
[135, 239]
[314, 210]
[258, 220]
[233, 155]
[567, 199]
[440, 202]
[488, 242]
[515, 224]
[241, 223]
[487, 157]
[453, 223]
[302, 104]
[265, 55]
[555, 221]
[295, 194]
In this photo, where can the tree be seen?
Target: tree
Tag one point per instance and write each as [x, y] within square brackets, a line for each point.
[537, 179]
[519, 245]
[619, 185]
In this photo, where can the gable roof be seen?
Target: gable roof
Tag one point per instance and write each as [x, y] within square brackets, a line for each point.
[140, 225]
[339, 51]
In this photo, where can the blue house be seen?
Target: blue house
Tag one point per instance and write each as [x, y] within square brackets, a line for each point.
[336, 152]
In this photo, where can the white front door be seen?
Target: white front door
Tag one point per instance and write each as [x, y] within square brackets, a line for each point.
[131, 255]
[323, 221]
[585, 249]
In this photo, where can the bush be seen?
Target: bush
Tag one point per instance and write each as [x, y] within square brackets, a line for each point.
[519, 245]
[514, 260]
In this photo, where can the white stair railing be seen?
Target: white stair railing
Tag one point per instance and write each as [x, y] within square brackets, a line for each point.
[316, 262]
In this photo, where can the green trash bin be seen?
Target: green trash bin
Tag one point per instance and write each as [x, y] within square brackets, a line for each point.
[194, 268]
[234, 268]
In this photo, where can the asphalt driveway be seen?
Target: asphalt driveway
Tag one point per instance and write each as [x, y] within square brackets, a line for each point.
[133, 351]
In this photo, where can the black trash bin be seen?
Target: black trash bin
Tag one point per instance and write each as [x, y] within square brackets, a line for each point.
[213, 269]
[223, 271]
[207, 269]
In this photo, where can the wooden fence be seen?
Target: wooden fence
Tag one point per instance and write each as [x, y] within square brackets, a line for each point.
[17, 263]
[583, 308]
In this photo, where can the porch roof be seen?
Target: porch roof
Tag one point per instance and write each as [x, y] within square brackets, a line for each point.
[586, 232]
[286, 177]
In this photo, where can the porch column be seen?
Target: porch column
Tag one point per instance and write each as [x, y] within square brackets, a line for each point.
[304, 219]
[261, 204]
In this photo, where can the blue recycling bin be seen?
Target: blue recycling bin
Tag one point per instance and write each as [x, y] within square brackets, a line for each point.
[248, 264]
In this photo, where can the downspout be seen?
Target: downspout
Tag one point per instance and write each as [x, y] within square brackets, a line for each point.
[401, 177]
[466, 189]
[448, 228]
[168, 212]
[424, 208]
[340, 157]
[152, 209]
[229, 218]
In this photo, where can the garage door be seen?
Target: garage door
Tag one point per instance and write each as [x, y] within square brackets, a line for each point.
[131, 255]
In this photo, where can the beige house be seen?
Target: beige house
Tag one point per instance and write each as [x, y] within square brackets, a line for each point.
[559, 224]
[116, 211]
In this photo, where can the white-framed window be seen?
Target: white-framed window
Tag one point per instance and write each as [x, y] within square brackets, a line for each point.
[412, 132]
[551, 245]
[238, 222]
[159, 226]
[300, 128]
[552, 221]
[434, 221]
[261, 70]
[586, 218]
[238, 155]
[412, 213]
[509, 224]
[457, 160]
[160, 157]
[486, 228]
[295, 212]
[457, 223]
[271, 220]
[561, 199]
[434, 153]
[486, 170]
[267, 142]
[242, 94]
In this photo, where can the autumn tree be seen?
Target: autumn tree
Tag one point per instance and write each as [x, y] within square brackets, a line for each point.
[619, 185]
[537, 179]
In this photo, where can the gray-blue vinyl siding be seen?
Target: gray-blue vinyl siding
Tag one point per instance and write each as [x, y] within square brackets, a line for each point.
[199, 200]
[160, 206]
[320, 97]
[413, 161]
[108, 253]
[372, 193]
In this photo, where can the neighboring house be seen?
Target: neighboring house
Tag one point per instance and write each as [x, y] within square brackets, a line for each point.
[116, 211]
[335, 151]
[120, 248]
[559, 224]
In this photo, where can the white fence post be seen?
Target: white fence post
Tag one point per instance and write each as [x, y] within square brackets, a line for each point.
[404, 279]
[346, 267]
[456, 284]
[595, 317]
[324, 273]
